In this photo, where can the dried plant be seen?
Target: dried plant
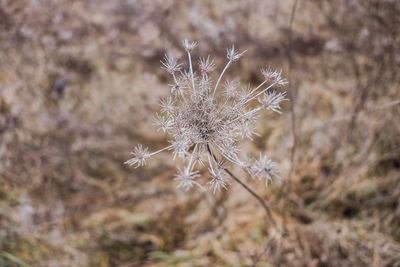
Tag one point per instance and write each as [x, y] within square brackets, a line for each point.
[204, 125]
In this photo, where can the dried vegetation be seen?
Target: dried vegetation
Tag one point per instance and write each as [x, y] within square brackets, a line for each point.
[80, 80]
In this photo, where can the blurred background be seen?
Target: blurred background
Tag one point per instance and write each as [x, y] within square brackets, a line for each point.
[80, 82]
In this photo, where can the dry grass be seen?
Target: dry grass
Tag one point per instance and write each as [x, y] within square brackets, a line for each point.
[79, 81]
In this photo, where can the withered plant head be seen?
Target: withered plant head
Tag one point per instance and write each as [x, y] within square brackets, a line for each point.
[202, 123]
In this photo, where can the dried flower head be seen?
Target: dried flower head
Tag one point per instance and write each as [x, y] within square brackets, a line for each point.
[206, 65]
[234, 55]
[264, 168]
[162, 122]
[202, 123]
[231, 89]
[170, 64]
[218, 180]
[272, 100]
[189, 46]
[140, 155]
[186, 179]
[274, 75]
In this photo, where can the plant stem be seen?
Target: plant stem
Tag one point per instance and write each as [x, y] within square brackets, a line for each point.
[254, 194]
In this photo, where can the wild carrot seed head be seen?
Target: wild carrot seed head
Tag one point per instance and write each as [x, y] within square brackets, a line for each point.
[197, 119]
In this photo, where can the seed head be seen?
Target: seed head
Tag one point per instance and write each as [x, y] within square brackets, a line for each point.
[163, 122]
[167, 105]
[266, 169]
[170, 64]
[272, 100]
[273, 75]
[206, 65]
[189, 46]
[231, 89]
[234, 55]
[140, 155]
[201, 120]
[185, 179]
[218, 180]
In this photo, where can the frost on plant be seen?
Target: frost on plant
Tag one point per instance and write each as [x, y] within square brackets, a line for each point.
[205, 119]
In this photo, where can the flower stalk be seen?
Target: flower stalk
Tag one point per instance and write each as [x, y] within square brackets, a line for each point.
[254, 194]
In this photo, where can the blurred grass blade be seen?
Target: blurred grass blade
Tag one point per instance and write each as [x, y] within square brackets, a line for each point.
[14, 259]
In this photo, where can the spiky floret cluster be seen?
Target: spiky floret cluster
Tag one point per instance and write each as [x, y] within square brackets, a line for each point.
[201, 122]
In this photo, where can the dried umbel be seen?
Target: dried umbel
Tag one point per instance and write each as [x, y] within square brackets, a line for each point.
[206, 121]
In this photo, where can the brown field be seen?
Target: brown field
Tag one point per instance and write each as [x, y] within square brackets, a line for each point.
[80, 82]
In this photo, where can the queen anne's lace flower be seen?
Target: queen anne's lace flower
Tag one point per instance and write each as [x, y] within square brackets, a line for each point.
[218, 179]
[206, 65]
[170, 64]
[264, 168]
[189, 46]
[162, 122]
[140, 155]
[186, 178]
[231, 89]
[272, 100]
[234, 55]
[200, 121]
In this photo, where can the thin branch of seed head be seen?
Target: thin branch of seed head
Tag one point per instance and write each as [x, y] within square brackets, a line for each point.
[220, 77]
[248, 113]
[228, 157]
[191, 70]
[161, 150]
[259, 93]
[258, 87]
[232, 55]
[189, 167]
[175, 80]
